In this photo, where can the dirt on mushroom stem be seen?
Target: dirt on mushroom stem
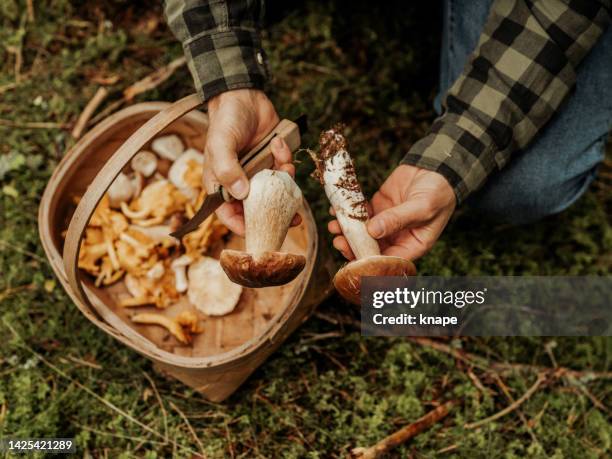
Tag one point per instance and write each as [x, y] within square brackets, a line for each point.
[333, 142]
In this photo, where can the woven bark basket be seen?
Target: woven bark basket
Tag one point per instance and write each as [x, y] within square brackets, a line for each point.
[230, 348]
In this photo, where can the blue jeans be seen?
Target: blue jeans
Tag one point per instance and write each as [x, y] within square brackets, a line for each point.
[558, 166]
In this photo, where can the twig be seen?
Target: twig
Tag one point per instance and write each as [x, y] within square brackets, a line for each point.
[18, 52]
[189, 427]
[32, 124]
[22, 251]
[465, 357]
[153, 80]
[88, 111]
[161, 403]
[149, 82]
[499, 367]
[110, 108]
[8, 292]
[85, 363]
[510, 408]
[116, 435]
[321, 336]
[7, 87]
[405, 433]
[91, 392]
[520, 413]
[31, 15]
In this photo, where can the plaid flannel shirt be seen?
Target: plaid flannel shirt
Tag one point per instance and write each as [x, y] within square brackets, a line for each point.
[522, 70]
[221, 41]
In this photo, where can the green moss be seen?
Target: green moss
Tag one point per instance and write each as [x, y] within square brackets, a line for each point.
[372, 68]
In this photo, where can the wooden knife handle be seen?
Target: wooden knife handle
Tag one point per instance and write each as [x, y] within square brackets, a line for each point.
[260, 157]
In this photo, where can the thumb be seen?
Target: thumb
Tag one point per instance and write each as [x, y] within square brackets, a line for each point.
[394, 219]
[221, 148]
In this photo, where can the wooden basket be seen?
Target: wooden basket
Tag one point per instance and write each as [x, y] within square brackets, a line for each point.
[230, 347]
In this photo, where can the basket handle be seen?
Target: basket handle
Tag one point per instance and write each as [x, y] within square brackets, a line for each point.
[96, 190]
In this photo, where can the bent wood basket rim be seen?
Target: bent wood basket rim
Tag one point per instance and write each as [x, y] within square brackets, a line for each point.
[93, 307]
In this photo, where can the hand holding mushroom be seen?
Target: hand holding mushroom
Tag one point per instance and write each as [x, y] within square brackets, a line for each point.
[239, 120]
[409, 213]
[336, 172]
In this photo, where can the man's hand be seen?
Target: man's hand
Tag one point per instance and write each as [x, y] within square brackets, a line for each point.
[409, 213]
[239, 119]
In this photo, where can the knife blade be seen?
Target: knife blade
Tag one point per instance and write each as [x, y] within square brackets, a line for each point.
[258, 158]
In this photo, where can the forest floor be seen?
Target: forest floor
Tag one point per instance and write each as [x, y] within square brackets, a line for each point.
[327, 389]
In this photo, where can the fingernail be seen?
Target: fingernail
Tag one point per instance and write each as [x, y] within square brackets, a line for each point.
[375, 228]
[239, 188]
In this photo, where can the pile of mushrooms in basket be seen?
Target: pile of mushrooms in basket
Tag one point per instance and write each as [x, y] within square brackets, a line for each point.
[128, 239]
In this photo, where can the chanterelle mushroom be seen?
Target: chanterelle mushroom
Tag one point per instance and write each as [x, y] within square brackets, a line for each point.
[209, 289]
[273, 200]
[336, 172]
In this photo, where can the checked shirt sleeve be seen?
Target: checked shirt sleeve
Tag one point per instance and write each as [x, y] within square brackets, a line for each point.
[522, 70]
[221, 41]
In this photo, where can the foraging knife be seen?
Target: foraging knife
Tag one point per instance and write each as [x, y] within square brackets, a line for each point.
[255, 160]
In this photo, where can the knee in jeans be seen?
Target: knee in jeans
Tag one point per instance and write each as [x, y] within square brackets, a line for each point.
[527, 201]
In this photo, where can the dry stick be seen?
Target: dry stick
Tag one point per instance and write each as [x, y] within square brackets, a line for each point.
[7, 87]
[147, 83]
[193, 432]
[116, 435]
[510, 408]
[153, 80]
[520, 413]
[405, 433]
[22, 251]
[91, 392]
[161, 403]
[10, 291]
[89, 110]
[31, 15]
[32, 124]
[85, 363]
[486, 365]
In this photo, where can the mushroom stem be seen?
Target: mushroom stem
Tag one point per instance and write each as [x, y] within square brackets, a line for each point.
[273, 200]
[336, 172]
[344, 193]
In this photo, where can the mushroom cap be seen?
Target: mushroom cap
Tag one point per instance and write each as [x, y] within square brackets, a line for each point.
[348, 279]
[186, 172]
[210, 290]
[168, 146]
[144, 162]
[267, 269]
[121, 190]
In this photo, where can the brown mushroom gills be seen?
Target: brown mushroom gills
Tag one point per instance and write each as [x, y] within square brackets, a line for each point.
[273, 200]
[263, 270]
[348, 279]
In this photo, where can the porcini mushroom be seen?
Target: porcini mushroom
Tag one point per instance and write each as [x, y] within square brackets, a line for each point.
[145, 163]
[336, 172]
[168, 146]
[273, 200]
[210, 290]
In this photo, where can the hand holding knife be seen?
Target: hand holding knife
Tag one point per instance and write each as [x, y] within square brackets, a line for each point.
[258, 158]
